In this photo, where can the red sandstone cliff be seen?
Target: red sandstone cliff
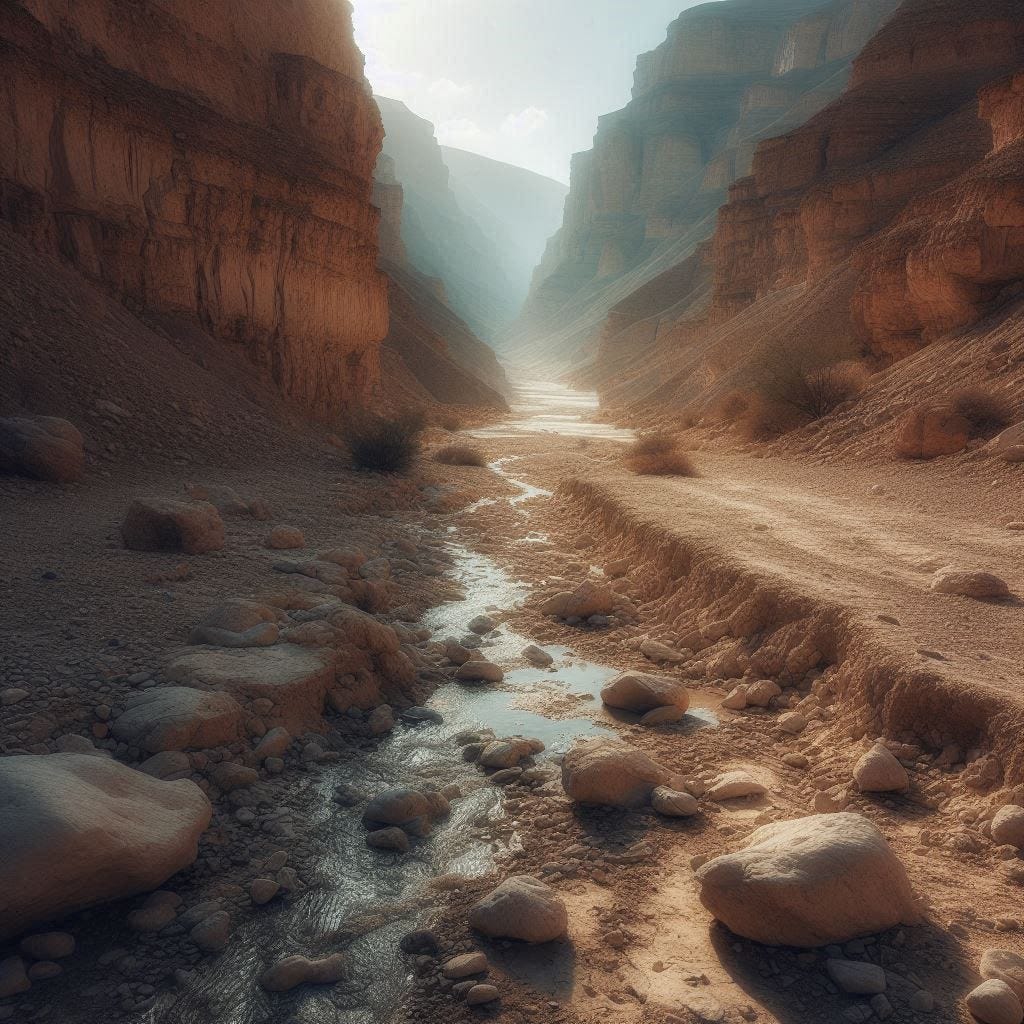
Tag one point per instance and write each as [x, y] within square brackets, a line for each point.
[211, 160]
[890, 223]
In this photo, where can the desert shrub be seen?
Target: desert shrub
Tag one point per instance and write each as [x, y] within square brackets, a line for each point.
[659, 454]
[460, 455]
[384, 444]
[791, 377]
[988, 414]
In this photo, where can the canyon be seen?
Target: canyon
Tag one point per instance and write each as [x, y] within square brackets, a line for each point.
[404, 621]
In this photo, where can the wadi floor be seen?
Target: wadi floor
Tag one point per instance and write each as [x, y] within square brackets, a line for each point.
[840, 555]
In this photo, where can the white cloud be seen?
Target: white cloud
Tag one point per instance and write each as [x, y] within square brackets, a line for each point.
[525, 123]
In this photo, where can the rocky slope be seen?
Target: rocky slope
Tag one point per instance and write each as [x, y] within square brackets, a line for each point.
[886, 224]
[514, 206]
[214, 163]
[644, 197]
[441, 239]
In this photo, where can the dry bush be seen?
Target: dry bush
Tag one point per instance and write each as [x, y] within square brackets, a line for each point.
[460, 455]
[384, 444]
[988, 414]
[791, 377]
[659, 454]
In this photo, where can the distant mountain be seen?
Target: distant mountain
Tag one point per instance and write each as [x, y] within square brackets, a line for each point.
[517, 208]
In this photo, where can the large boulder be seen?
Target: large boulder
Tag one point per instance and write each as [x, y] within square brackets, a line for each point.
[641, 692]
[82, 830]
[994, 1002]
[42, 447]
[179, 718]
[294, 679]
[522, 908]
[610, 773]
[827, 878]
[930, 431]
[161, 524]
[1008, 826]
[1006, 966]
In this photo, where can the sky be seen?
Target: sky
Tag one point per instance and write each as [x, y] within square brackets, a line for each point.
[522, 81]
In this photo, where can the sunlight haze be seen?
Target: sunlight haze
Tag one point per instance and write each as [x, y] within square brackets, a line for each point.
[499, 77]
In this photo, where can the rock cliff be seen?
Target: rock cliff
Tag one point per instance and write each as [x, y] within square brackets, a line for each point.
[644, 197]
[441, 239]
[889, 227]
[211, 161]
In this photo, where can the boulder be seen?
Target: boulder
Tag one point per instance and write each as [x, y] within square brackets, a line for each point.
[161, 524]
[761, 693]
[507, 753]
[1009, 445]
[970, 583]
[48, 945]
[479, 671]
[1006, 966]
[930, 431]
[294, 679]
[878, 771]
[482, 624]
[464, 966]
[735, 784]
[656, 651]
[994, 1002]
[589, 598]
[610, 773]
[479, 995]
[297, 970]
[391, 838]
[522, 908]
[238, 623]
[1008, 826]
[662, 716]
[674, 803]
[274, 743]
[537, 656]
[736, 698]
[640, 692]
[178, 718]
[82, 830]
[826, 878]
[397, 807]
[41, 447]
[285, 538]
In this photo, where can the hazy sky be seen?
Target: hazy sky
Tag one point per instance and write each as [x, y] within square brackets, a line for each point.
[522, 81]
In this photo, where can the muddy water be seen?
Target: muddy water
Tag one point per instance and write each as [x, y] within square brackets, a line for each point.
[364, 900]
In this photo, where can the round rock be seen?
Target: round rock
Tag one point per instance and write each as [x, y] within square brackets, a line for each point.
[522, 908]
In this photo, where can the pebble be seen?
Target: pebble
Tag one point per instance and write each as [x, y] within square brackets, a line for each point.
[48, 945]
[480, 994]
[463, 966]
[263, 890]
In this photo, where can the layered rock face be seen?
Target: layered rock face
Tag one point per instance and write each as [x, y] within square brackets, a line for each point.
[878, 160]
[643, 198]
[212, 160]
[442, 240]
[887, 223]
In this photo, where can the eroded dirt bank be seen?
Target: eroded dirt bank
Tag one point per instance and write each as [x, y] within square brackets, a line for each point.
[755, 570]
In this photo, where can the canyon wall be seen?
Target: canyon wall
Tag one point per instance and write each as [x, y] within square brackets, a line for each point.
[891, 221]
[517, 208]
[211, 161]
[441, 239]
[644, 198]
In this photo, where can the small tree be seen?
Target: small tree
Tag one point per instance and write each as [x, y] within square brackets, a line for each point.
[383, 443]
